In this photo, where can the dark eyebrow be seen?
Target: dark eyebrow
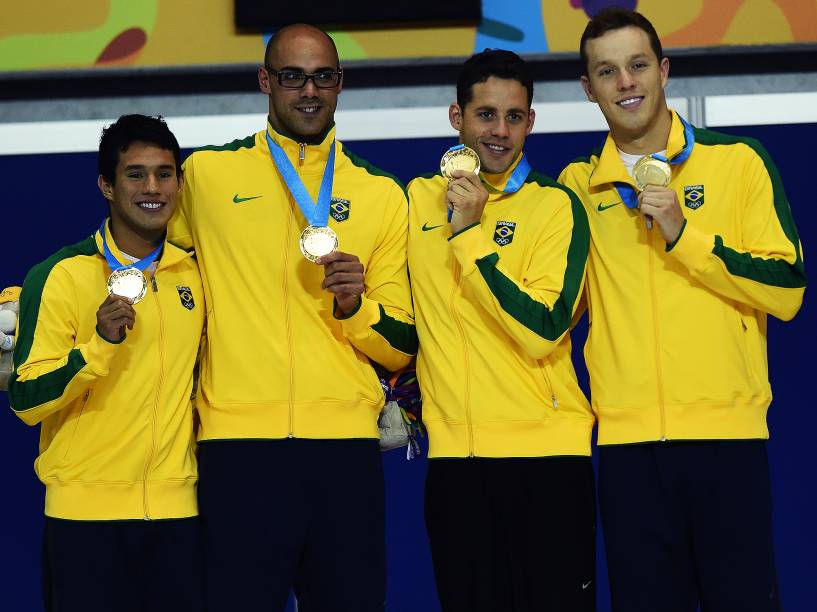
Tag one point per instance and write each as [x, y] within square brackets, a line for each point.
[144, 167]
[604, 62]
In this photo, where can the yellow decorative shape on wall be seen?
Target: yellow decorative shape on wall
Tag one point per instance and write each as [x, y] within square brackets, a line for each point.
[744, 28]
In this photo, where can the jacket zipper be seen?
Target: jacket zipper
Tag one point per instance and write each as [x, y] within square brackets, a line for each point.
[656, 337]
[287, 313]
[468, 422]
[158, 396]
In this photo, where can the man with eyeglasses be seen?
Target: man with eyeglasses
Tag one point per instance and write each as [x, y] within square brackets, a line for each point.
[302, 250]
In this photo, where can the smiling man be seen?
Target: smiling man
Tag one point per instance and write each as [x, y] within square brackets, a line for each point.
[111, 384]
[497, 266]
[680, 279]
[302, 247]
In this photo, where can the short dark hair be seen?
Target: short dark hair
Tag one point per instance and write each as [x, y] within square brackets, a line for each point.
[128, 129]
[615, 18]
[497, 63]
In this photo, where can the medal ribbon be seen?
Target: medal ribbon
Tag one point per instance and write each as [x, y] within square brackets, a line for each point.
[518, 176]
[115, 266]
[316, 213]
[628, 193]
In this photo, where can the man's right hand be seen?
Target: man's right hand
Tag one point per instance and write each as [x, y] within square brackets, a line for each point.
[114, 315]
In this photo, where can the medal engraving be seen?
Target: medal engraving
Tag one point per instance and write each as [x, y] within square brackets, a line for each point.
[128, 283]
[459, 159]
[651, 171]
[317, 241]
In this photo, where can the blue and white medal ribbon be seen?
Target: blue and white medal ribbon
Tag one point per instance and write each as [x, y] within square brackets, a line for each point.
[517, 179]
[127, 280]
[318, 238]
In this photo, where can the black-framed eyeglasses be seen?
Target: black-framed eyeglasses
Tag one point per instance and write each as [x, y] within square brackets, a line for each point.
[296, 79]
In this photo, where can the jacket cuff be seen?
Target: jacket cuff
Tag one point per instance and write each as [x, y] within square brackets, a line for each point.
[359, 322]
[693, 248]
[671, 245]
[469, 245]
[98, 353]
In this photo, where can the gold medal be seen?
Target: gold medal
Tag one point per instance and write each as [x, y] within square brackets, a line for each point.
[128, 283]
[463, 158]
[317, 241]
[651, 171]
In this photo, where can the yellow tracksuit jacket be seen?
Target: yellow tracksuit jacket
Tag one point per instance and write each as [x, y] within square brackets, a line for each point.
[677, 342]
[493, 304]
[116, 439]
[278, 363]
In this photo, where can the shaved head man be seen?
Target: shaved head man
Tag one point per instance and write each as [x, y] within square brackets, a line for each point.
[303, 248]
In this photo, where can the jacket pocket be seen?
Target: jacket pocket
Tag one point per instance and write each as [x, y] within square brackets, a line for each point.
[548, 376]
[743, 342]
[70, 444]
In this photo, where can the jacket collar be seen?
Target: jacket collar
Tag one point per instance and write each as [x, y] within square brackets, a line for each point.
[171, 254]
[306, 158]
[610, 168]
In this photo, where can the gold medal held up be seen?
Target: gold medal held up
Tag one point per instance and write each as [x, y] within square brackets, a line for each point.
[651, 171]
[128, 283]
[317, 241]
[460, 158]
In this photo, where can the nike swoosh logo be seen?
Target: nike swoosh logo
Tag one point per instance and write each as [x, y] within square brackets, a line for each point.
[238, 200]
[606, 206]
[427, 227]
[585, 585]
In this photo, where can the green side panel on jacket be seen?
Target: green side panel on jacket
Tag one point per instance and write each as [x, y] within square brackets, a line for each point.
[371, 169]
[774, 272]
[29, 311]
[549, 324]
[401, 336]
[235, 145]
[45, 388]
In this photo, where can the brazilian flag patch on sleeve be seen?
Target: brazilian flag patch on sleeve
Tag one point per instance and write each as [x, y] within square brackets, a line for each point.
[339, 209]
[186, 297]
[694, 196]
[503, 234]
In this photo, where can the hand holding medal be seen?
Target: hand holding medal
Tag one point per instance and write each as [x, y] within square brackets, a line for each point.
[651, 171]
[652, 176]
[466, 195]
[113, 316]
[343, 276]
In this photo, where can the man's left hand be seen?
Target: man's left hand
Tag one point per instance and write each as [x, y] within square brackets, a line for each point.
[662, 205]
[343, 276]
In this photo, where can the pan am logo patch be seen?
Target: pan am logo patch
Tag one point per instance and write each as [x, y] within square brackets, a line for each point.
[694, 196]
[503, 234]
[339, 209]
[186, 297]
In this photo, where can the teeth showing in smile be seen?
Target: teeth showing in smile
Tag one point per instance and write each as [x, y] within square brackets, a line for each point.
[309, 109]
[629, 102]
[150, 205]
[496, 148]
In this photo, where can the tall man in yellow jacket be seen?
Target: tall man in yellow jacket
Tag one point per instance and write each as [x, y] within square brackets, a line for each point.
[291, 482]
[679, 283]
[497, 265]
[108, 373]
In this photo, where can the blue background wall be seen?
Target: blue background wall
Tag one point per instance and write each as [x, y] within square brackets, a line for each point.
[52, 200]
